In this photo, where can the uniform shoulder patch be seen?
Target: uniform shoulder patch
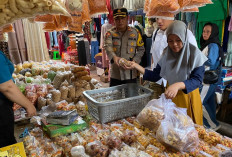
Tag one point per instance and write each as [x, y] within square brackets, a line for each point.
[108, 34]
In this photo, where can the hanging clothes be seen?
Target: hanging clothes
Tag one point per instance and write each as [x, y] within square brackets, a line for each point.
[129, 4]
[116, 4]
[36, 44]
[61, 44]
[51, 39]
[230, 24]
[87, 50]
[54, 33]
[104, 29]
[87, 31]
[94, 50]
[226, 34]
[48, 40]
[110, 15]
[16, 44]
[228, 60]
[105, 60]
[81, 49]
[138, 4]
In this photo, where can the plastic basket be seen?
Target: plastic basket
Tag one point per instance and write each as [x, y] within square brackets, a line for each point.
[109, 104]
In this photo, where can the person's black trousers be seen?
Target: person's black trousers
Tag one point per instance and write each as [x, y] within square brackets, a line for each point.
[6, 123]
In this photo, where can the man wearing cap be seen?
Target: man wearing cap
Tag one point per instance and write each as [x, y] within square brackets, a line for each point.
[126, 42]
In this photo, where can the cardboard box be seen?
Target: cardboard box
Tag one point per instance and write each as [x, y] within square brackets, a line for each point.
[16, 150]
[104, 78]
[54, 130]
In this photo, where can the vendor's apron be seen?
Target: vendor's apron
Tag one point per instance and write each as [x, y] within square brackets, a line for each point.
[192, 102]
[6, 123]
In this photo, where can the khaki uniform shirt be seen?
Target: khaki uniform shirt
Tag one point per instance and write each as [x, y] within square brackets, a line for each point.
[125, 45]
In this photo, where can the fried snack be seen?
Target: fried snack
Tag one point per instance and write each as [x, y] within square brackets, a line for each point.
[77, 69]
[44, 18]
[79, 92]
[86, 78]
[56, 95]
[64, 92]
[152, 115]
[80, 74]
[72, 92]
[123, 62]
[80, 83]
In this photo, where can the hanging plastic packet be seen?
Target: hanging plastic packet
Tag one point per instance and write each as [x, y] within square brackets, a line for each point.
[8, 28]
[97, 7]
[75, 24]
[44, 18]
[74, 5]
[17, 9]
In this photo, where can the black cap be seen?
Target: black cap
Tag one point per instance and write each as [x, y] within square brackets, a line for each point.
[120, 12]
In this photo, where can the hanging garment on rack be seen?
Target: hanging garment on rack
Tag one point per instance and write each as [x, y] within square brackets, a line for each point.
[116, 4]
[94, 50]
[48, 40]
[228, 60]
[104, 29]
[110, 15]
[81, 49]
[226, 34]
[105, 60]
[36, 44]
[82, 53]
[87, 31]
[61, 44]
[87, 50]
[51, 39]
[230, 24]
[138, 4]
[55, 38]
[129, 4]
[17, 44]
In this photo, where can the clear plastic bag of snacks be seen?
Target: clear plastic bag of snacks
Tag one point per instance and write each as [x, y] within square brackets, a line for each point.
[11, 11]
[97, 149]
[56, 95]
[177, 130]
[153, 113]
[81, 108]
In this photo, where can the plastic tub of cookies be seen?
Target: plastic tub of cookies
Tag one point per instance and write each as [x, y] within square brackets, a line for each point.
[109, 104]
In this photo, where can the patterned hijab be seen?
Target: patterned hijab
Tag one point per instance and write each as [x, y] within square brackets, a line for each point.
[177, 67]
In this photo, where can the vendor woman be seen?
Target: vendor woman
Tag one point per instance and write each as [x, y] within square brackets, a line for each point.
[182, 65]
[10, 93]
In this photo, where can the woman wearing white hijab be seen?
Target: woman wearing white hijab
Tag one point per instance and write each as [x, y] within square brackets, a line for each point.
[182, 65]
